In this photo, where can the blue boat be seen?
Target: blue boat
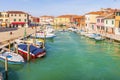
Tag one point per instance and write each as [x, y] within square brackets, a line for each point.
[35, 52]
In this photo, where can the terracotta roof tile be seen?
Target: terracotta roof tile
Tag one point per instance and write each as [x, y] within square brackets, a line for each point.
[16, 12]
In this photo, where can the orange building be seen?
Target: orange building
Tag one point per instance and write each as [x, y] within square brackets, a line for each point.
[80, 22]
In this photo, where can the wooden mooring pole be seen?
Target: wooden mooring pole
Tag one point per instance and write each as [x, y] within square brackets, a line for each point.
[9, 45]
[16, 48]
[28, 55]
[6, 68]
[44, 40]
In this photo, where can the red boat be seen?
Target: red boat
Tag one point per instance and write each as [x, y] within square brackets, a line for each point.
[35, 52]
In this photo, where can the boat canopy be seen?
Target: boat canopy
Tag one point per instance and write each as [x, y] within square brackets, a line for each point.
[33, 50]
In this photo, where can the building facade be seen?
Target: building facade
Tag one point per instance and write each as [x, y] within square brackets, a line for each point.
[4, 19]
[90, 20]
[18, 19]
[117, 22]
[109, 23]
[100, 24]
[80, 22]
[46, 20]
[62, 20]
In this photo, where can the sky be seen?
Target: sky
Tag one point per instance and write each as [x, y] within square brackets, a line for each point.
[57, 7]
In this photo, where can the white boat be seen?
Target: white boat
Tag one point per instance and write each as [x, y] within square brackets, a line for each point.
[49, 29]
[47, 35]
[13, 58]
[99, 38]
[72, 29]
[92, 36]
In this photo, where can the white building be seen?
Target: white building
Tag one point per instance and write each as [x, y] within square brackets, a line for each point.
[46, 20]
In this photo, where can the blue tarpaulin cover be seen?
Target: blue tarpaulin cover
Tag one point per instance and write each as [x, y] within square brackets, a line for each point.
[34, 50]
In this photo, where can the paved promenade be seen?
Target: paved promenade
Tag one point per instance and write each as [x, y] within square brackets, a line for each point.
[5, 36]
[110, 36]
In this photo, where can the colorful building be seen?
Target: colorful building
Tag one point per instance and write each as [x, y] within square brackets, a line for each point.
[67, 20]
[4, 19]
[34, 21]
[117, 22]
[91, 20]
[62, 20]
[100, 28]
[46, 20]
[109, 24]
[17, 18]
[80, 22]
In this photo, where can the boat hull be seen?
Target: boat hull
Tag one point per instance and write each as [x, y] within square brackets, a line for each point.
[12, 58]
[11, 62]
[35, 52]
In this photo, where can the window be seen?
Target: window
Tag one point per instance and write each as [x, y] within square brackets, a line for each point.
[11, 14]
[102, 20]
[117, 13]
[25, 15]
[92, 26]
[6, 20]
[106, 22]
[19, 14]
[1, 19]
[119, 24]
[15, 14]
[19, 19]
[112, 22]
[98, 20]
[14, 19]
[25, 20]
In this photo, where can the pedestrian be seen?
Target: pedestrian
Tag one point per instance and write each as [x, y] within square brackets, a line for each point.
[10, 33]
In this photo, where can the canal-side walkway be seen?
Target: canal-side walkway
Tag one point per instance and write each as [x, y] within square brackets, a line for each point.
[5, 36]
[113, 37]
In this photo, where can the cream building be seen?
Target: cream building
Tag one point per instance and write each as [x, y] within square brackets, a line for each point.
[18, 18]
[4, 19]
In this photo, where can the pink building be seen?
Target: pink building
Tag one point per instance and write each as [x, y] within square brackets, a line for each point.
[100, 24]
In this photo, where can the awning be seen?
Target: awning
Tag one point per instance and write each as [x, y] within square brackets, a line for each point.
[22, 23]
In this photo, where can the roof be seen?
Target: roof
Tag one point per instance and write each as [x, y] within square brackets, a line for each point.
[96, 13]
[79, 17]
[100, 16]
[16, 12]
[117, 10]
[110, 16]
[47, 16]
[67, 16]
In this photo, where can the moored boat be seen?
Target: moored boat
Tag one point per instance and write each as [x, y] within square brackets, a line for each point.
[35, 52]
[13, 58]
[47, 35]
[99, 38]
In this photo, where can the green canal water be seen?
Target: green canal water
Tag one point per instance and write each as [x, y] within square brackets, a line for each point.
[72, 57]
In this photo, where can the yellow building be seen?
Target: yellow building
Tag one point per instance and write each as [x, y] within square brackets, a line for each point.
[117, 22]
[62, 20]
[3, 19]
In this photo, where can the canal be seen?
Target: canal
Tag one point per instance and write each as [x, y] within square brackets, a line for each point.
[72, 57]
